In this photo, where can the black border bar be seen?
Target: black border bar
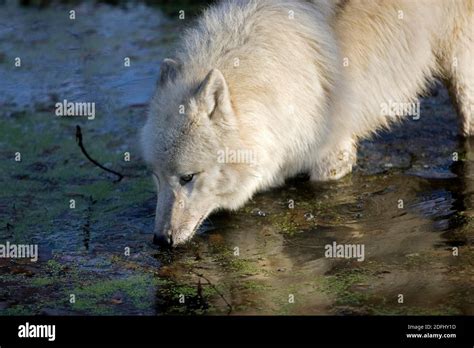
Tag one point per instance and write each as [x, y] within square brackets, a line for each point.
[219, 330]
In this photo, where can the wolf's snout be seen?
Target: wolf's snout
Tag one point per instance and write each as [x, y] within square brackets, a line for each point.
[164, 241]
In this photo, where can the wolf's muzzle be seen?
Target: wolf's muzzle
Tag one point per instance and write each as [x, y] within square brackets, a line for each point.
[162, 240]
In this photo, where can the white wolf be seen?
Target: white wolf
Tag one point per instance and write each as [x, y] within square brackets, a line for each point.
[294, 84]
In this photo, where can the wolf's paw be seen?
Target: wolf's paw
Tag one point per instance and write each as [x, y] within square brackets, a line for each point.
[335, 166]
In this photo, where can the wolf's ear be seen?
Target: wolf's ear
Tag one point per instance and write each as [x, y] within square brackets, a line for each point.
[169, 70]
[214, 93]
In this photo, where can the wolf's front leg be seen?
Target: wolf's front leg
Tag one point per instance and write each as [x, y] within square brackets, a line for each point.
[336, 163]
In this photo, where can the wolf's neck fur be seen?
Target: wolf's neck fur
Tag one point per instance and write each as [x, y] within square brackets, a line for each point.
[274, 54]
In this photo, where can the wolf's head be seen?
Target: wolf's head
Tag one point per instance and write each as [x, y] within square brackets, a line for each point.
[192, 141]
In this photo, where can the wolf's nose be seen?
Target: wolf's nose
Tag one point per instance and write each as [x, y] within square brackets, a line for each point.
[162, 240]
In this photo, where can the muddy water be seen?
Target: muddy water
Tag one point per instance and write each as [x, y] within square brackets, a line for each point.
[409, 202]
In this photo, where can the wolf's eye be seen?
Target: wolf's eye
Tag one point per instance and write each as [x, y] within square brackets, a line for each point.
[183, 180]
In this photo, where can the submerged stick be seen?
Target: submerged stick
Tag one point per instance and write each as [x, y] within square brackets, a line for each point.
[81, 145]
[200, 275]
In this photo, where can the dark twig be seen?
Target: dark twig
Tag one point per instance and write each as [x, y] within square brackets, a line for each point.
[81, 145]
[215, 289]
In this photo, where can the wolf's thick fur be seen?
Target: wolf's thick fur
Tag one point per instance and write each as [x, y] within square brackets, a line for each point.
[298, 83]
